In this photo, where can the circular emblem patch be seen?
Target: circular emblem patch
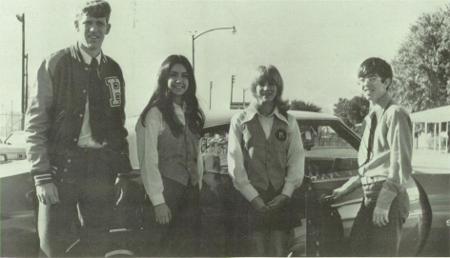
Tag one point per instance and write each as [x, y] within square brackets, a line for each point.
[281, 134]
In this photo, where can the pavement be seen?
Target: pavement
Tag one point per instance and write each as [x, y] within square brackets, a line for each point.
[431, 161]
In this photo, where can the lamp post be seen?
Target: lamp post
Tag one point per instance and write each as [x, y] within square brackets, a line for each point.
[21, 18]
[195, 36]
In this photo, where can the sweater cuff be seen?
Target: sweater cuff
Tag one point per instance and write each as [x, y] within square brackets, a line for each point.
[385, 199]
[288, 189]
[42, 177]
[157, 199]
[249, 192]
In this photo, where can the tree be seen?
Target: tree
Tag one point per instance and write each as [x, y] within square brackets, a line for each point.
[305, 106]
[342, 109]
[359, 108]
[352, 111]
[422, 64]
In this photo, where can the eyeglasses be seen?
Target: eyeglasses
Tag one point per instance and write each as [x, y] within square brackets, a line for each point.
[368, 79]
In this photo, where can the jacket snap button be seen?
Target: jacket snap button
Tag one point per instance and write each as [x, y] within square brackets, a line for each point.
[65, 170]
[69, 160]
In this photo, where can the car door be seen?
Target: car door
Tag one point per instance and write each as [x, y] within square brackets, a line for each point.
[331, 151]
[331, 159]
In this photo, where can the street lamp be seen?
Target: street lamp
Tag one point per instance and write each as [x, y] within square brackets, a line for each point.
[196, 36]
[21, 18]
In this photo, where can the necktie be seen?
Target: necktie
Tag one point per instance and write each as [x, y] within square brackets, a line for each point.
[373, 126]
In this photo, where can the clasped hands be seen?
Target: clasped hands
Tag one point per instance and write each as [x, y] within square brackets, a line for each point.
[259, 205]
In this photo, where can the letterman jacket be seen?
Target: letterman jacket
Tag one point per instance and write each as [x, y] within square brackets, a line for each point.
[55, 115]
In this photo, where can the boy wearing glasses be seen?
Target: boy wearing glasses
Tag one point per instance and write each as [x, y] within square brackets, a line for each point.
[384, 158]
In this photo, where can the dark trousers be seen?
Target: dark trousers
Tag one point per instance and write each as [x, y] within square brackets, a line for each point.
[366, 239]
[217, 204]
[86, 202]
[181, 236]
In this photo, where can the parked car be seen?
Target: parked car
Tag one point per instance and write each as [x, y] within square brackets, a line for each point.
[330, 161]
[13, 147]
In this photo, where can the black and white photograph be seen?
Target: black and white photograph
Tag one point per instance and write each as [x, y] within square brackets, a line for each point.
[225, 128]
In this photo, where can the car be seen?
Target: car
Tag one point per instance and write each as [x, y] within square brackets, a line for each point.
[13, 147]
[331, 150]
[330, 161]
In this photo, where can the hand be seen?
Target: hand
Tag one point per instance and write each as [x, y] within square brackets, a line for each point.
[47, 193]
[258, 204]
[278, 201]
[380, 217]
[162, 214]
[336, 194]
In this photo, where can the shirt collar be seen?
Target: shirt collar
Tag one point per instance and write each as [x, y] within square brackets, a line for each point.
[252, 110]
[382, 104]
[87, 58]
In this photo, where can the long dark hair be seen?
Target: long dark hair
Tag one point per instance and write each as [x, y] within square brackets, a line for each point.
[271, 74]
[162, 98]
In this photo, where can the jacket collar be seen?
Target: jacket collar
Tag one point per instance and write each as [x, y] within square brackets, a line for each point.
[251, 111]
[83, 57]
[87, 58]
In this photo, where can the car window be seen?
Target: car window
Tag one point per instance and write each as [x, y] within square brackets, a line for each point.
[329, 152]
[213, 148]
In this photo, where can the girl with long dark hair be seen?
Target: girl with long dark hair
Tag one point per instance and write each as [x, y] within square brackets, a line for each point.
[168, 132]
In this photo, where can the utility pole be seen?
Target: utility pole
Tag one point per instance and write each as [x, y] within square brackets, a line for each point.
[26, 81]
[243, 98]
[232, 86]
[21, 18]
[210, 93]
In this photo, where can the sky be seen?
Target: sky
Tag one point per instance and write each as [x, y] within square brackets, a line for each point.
[316, 45]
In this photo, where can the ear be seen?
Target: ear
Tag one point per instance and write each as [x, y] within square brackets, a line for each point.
[108, 28]
[76, 23]
[388, 83]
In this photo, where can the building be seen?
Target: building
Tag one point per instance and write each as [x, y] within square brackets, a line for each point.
[431, 129]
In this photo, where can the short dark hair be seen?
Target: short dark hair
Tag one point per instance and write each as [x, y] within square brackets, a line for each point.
[94, 8]
[375, 66]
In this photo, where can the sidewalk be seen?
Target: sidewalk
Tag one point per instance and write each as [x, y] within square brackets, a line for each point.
[431, 161]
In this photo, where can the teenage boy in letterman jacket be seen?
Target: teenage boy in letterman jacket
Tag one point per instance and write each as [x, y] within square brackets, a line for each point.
[77, 139]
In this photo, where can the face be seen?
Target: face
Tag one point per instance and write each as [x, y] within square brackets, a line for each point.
[92, 32]
[266, 92]
[178, 81]
[373, 87]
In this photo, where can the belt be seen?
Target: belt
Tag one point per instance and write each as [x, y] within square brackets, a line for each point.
[371, 187]
[369, 180]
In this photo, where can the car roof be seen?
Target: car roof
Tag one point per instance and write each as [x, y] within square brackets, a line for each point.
[215, 118]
